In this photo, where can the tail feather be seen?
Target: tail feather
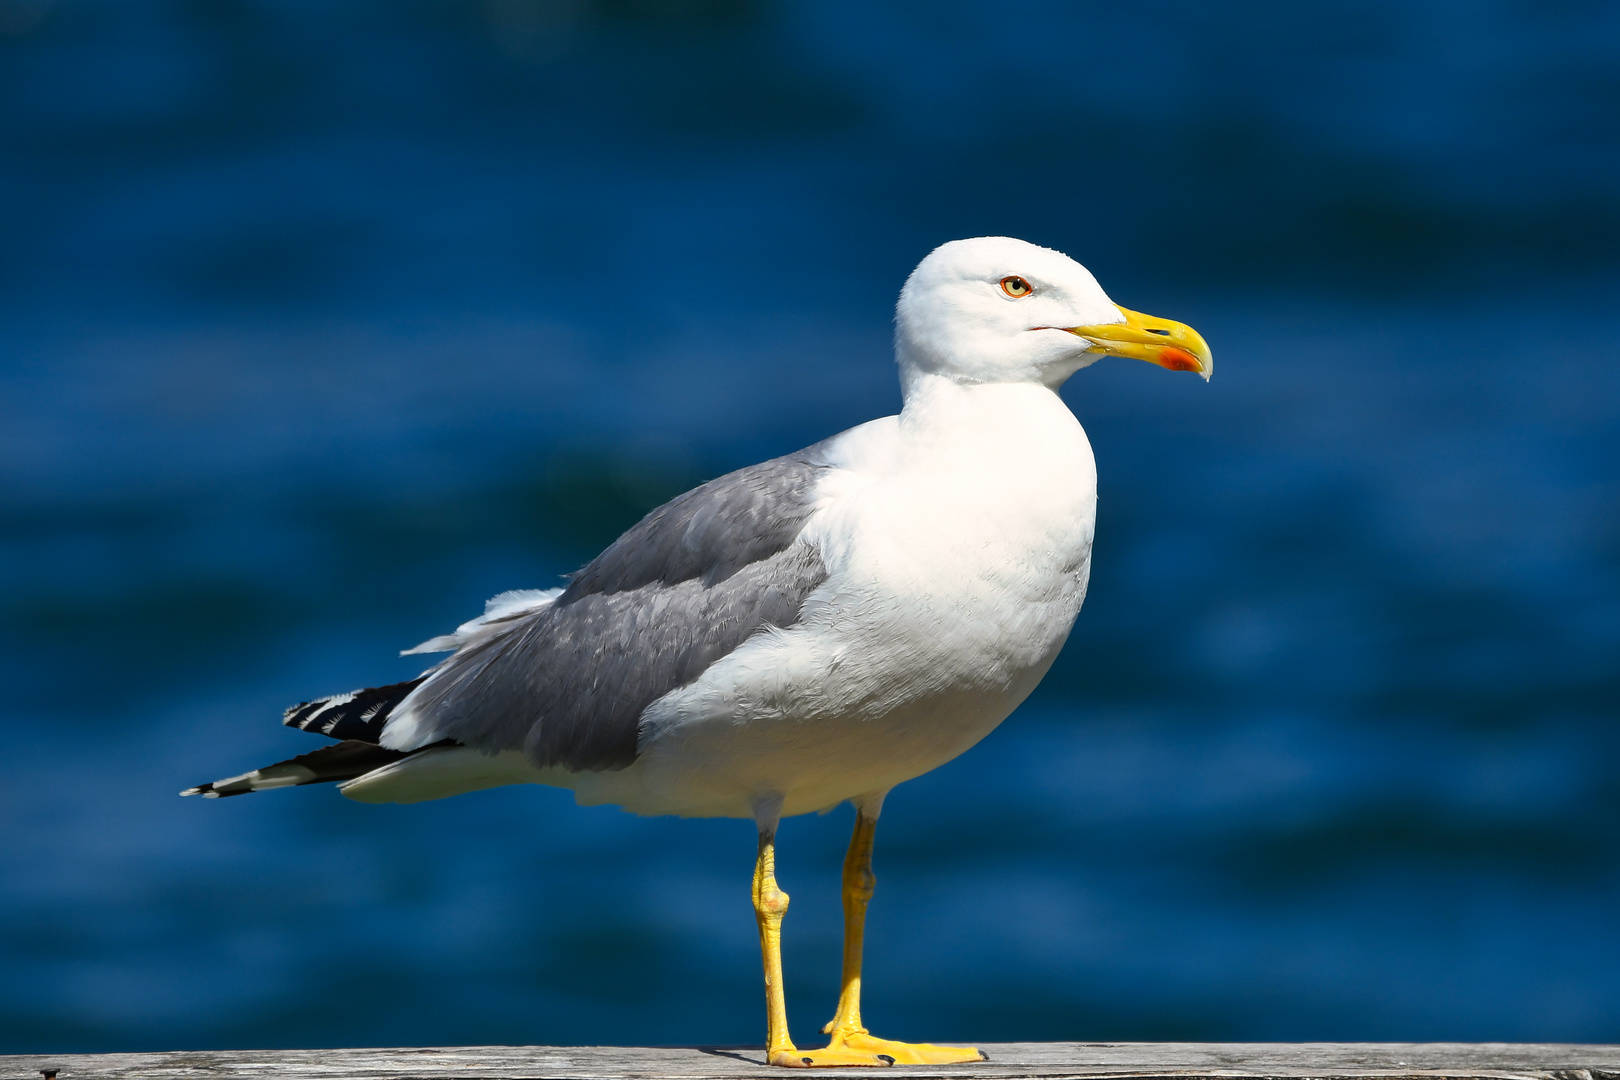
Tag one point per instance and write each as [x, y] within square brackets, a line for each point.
[356, 718]
[359, 715]
[342, 761]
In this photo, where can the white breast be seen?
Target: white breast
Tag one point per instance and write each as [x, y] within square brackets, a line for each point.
[957, 539]
[967, 539]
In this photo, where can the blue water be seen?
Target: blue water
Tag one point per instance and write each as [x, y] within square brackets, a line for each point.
[320, 323]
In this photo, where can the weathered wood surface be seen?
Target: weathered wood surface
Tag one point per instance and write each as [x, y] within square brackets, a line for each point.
[1046, 1061]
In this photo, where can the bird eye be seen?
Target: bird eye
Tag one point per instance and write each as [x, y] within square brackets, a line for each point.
[1015, 287]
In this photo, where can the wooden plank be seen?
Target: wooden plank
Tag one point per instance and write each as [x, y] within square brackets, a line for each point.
[1039, 1061]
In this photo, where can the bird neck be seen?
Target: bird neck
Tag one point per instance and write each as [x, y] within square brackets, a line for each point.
[943, 420]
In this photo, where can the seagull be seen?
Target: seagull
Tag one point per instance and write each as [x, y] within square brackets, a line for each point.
[804, 632]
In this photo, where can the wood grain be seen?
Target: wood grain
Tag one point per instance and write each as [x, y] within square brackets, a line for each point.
[1047, 1061]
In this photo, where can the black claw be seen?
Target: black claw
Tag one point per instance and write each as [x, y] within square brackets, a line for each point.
[807, 1061]
[885, 1057]
[983, 1056]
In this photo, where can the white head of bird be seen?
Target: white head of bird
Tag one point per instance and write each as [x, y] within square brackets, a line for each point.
[998, 310]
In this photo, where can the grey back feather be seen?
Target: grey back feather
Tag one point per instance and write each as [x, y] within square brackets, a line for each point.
[689, 583]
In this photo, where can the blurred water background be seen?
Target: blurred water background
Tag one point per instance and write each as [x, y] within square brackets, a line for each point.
[322, 322]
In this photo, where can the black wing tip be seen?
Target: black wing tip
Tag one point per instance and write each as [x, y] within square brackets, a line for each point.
[358, 714]
[330, 764]
[302, 714]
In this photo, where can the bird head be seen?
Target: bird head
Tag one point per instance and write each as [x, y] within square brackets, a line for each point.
[994, 309]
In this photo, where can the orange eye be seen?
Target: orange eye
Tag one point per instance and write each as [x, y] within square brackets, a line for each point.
[1015, 287]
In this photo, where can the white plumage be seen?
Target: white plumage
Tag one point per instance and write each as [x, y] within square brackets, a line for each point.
[810, 630]
[956, 538]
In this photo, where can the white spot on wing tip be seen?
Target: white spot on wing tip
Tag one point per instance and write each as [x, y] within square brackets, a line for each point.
[327, 704]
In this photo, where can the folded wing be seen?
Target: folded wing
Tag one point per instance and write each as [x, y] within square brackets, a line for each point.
[564, 675]
[567, 682]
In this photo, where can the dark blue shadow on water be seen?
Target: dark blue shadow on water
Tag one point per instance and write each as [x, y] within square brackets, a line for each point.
[320, 324]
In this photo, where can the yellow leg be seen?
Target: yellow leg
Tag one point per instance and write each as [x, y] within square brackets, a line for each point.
[851, 1043]
[770, 904]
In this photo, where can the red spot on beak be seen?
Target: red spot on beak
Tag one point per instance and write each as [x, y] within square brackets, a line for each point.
[1178, 359]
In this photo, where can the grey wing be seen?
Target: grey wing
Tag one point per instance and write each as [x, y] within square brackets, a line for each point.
[694, 579]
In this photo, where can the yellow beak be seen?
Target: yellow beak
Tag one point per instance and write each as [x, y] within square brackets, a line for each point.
[1172, 345]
